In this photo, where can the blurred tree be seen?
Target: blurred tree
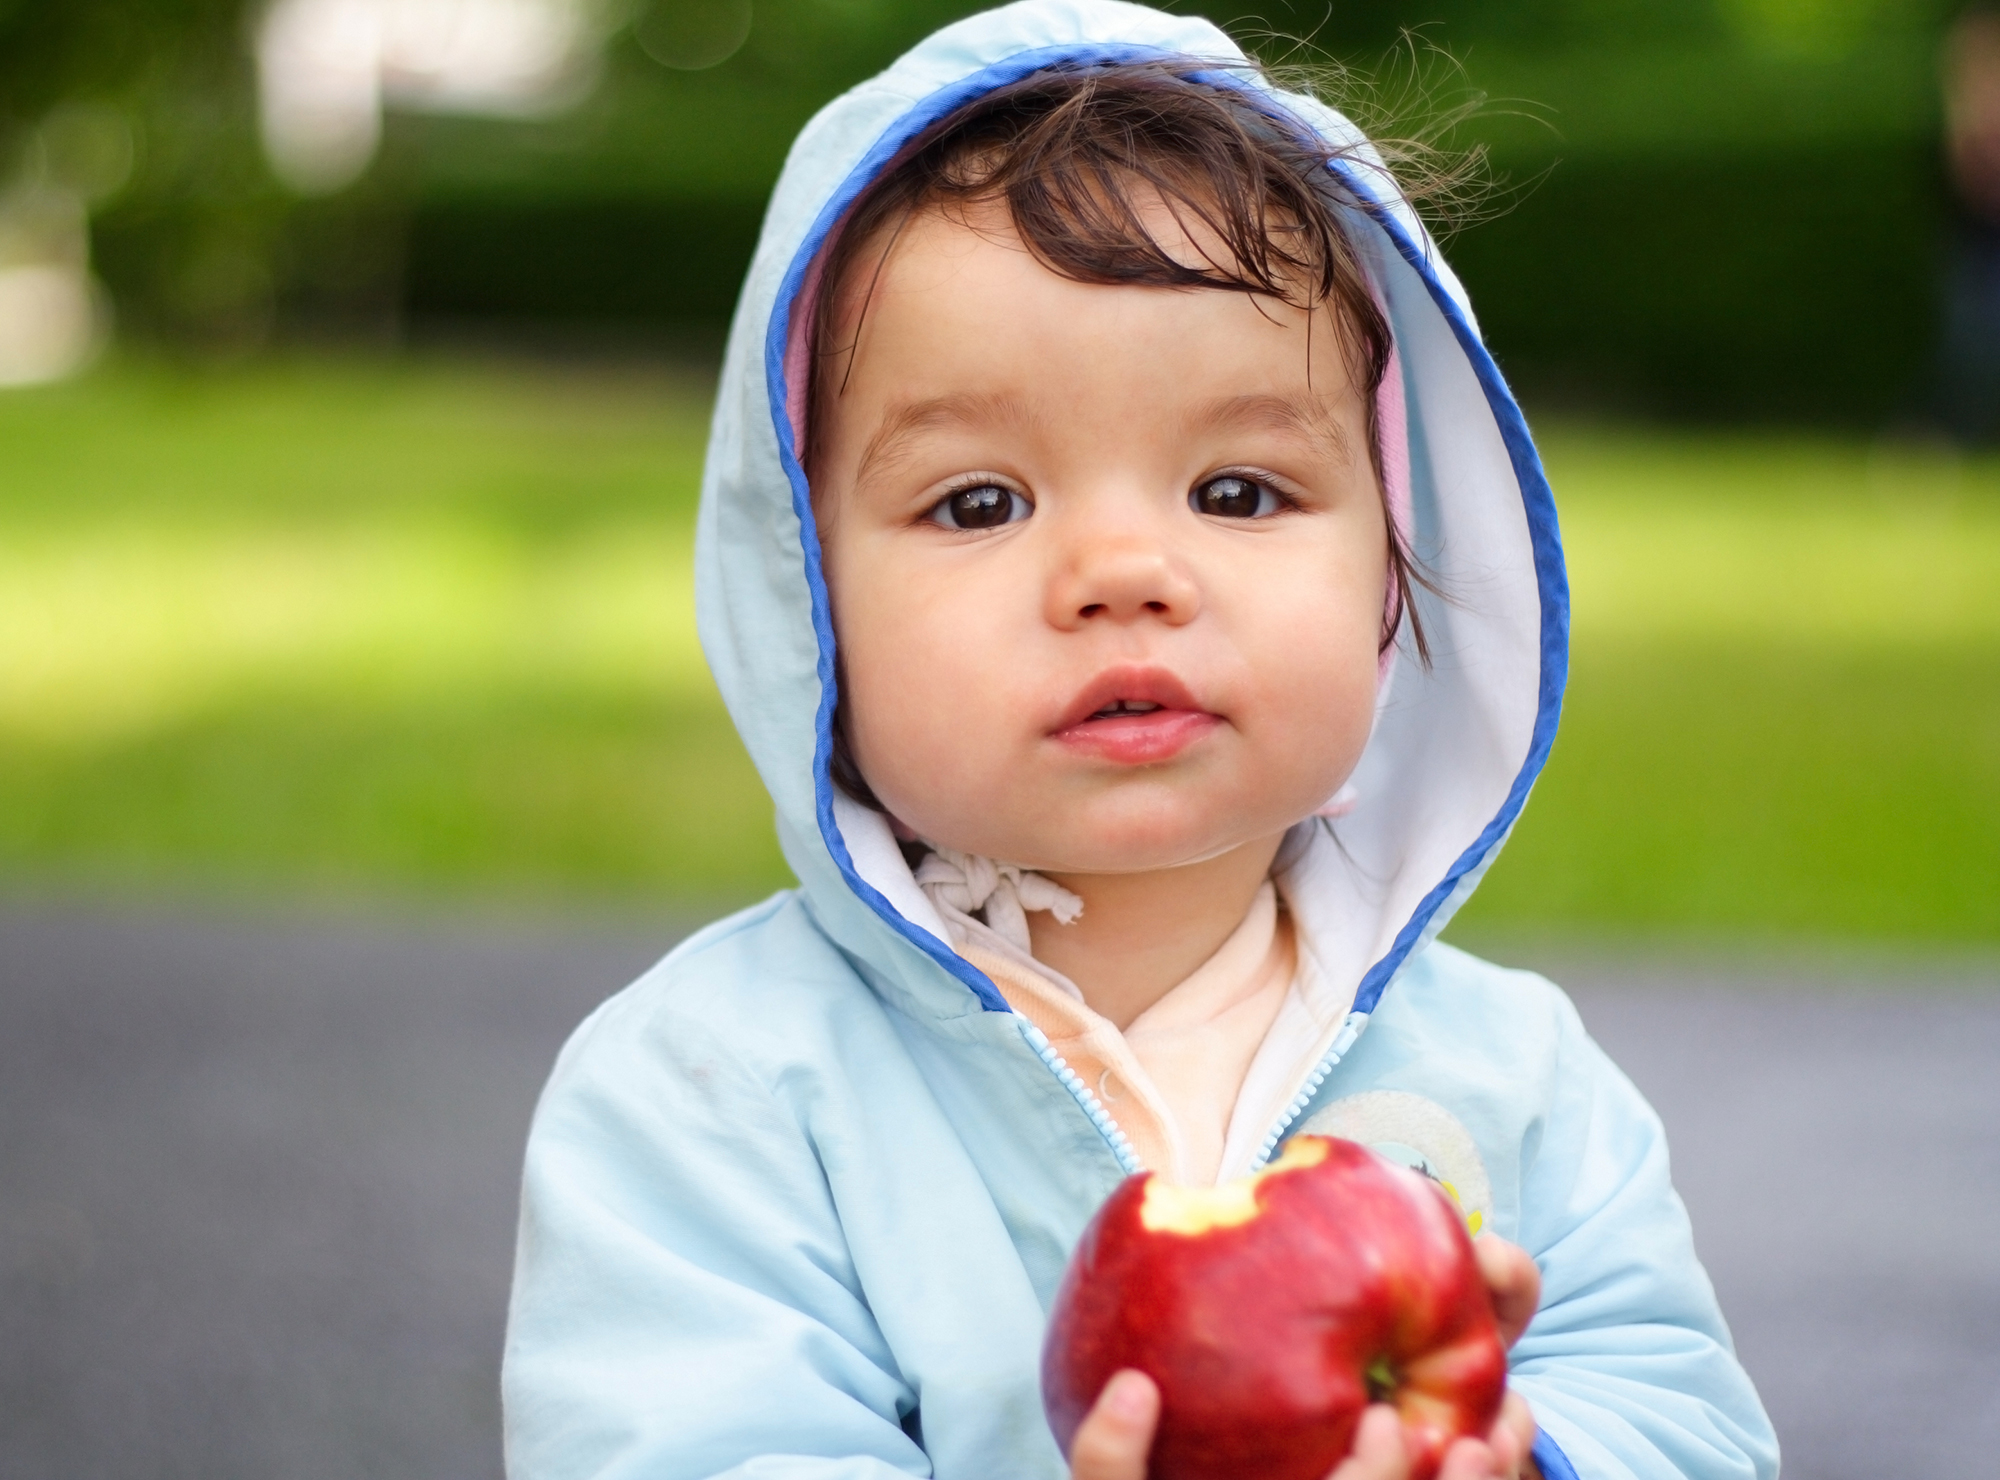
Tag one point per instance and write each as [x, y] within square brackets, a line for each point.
[1625, 275]
[190, 237]
[109, 48]
[1969, 368]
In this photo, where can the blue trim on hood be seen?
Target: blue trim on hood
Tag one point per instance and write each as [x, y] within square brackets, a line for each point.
[1544, 534]
[1537, 497]
[777, 336]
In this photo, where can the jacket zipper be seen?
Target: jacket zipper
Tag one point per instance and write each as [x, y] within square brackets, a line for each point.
[1342, 1042]
[1121, 1144]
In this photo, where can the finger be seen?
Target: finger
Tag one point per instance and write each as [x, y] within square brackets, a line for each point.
[1513, 1282]
[1117, 1433]
[1379, 1452]
[1513, 1436]
[1469, 1459]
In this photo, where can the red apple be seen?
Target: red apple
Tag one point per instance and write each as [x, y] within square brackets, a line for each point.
[1271, 1311]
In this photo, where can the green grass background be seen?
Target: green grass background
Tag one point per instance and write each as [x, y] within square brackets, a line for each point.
[421, 628]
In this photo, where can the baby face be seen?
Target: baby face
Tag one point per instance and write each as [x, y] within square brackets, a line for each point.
[1107, 564]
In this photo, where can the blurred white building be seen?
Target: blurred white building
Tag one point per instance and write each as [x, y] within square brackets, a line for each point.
[54, 315]
[327, 69]
[52, 312]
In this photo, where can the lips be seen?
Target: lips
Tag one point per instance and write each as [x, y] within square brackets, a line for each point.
[1134, 716]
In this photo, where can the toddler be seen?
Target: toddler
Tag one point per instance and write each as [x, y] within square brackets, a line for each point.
[1140, 594]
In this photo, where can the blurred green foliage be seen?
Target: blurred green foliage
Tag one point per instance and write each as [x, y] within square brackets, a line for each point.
[352, 627]
[190, 228]
[1784, 708]
[417, 628]
[1718, 207]
[1712, 207]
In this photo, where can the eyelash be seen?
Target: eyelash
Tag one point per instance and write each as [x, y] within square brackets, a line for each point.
[1267, 489]
[1018, 506]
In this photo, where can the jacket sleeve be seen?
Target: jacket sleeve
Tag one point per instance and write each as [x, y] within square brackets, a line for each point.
[1628, 1365]
[684, 1304]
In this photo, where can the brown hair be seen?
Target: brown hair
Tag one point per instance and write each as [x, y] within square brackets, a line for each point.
[1075, 152]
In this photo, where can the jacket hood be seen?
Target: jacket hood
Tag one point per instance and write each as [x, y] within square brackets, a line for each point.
[1457, 744]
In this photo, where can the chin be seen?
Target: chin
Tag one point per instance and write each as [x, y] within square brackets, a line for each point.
[1138, 841]
[1131, 829]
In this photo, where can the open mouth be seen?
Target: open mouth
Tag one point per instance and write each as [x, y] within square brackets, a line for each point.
[1118, 707]
[1135, 716]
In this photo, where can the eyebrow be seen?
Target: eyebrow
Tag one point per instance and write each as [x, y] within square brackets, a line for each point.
[907, 420]
[1305, 417]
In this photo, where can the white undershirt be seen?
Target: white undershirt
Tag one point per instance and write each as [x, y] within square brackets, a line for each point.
[1173, 1078]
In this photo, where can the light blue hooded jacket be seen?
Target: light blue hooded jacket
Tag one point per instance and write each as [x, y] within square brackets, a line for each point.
[797, 1201]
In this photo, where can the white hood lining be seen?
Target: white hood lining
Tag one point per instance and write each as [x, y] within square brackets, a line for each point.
[1475, 727]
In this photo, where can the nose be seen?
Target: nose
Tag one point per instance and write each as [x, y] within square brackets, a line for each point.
[1118, 567]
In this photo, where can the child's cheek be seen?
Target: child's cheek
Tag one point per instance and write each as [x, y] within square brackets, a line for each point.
[915, 711]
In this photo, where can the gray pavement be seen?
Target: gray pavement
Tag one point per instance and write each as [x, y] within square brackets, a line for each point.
[257, 1183]
[1837, 1141]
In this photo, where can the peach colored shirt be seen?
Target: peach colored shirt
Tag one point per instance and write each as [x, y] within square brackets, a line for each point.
[1172, 1079]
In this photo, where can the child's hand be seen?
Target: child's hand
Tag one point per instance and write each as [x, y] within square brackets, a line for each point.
[1513, 1282]
[1117, 1433]
[1113, 1441]
[1502, 1455]
[1515, 1286]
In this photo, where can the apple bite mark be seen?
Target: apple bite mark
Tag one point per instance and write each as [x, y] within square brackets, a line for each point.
[1272, 1311]
[1169, 1208]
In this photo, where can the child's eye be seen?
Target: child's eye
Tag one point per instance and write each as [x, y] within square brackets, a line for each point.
[1234, 497]
[982, 506]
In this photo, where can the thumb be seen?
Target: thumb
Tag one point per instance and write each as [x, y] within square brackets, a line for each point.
[1117, 1434]
[1513, 1282]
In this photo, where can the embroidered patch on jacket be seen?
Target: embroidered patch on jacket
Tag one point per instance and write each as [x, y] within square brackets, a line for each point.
[1417, 1133]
